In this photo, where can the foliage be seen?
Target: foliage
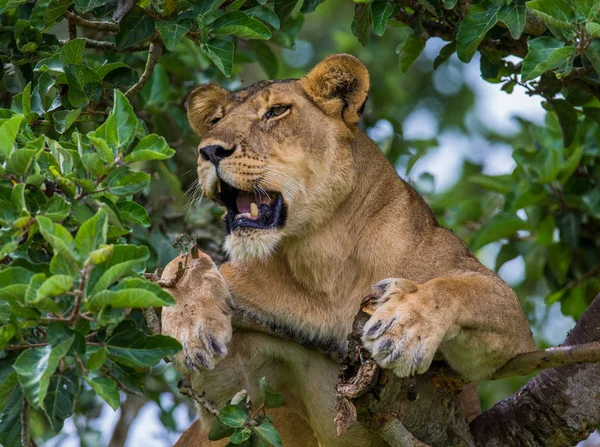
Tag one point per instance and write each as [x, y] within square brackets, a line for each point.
[246, 427]
[92, 191]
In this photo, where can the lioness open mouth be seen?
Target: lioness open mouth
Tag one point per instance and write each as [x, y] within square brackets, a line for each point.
[249, 209]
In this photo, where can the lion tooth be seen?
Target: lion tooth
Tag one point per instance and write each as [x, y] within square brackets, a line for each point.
[254, 209]
[219, 186]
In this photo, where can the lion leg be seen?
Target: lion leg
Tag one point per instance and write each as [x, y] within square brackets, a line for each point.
[475, 320]
[201, 317]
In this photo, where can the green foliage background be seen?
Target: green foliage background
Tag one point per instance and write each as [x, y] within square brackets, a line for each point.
[96, 156]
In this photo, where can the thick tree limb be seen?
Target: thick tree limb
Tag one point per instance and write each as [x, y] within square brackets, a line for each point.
[558, 407]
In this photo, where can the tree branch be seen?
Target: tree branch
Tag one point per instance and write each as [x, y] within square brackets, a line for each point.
[109, 46]
[100, 26]
[154, 55]
[524, 364]
[558, 407]
[185, 387]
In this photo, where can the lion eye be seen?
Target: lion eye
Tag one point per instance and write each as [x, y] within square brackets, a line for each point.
[215, 120]
[276, 111]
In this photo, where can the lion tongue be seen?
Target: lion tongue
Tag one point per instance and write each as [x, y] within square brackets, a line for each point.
[244, 201]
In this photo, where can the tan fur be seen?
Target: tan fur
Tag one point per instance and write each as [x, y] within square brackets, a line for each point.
[352, 222]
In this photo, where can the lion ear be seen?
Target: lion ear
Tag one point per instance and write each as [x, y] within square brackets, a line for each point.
[203, 105]
[340, 83]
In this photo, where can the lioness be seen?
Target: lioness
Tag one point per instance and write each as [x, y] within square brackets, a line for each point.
[317, 217]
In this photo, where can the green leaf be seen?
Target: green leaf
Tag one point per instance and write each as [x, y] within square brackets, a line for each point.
[381, 11]
[64, 119]
[7, 332]
[265, 15]
[411, 50]
[132, 347]
[100, 255]
[218, 430]
[57, 208]
[88, 5]
[14, 282]
[57, 236]
[173, 32]
[124, 260]
[144, 284]
[72, 52]
[121, 299]
[449, 4]
[151, 147]
[240, 436]
[361, 25]
[133, 212]
[20, 160]
[556, 13]
[123, 181]
[267, 432]
[233, 416]
[497, 183]
[136, 27]
[54, 286]
[240, 24]
[514, 17]
[271, 398]
[266, 58]
[284, 9]
[499, 227]
[473, 28]
[309, 6]
[10, 418]
[35, 366]
[59, 403]
[120, 127]
[92, 234]
[97, 359]
[221, 53]
[106, 389]
[84, 84]
[8, 134]
[545, 54]
[567, 118]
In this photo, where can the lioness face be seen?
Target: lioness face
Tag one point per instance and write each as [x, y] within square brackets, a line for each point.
[278, 154]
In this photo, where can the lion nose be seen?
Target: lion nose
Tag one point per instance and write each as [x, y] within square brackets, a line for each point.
[215, 153]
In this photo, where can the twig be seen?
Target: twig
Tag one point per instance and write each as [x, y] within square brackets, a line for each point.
[154, 54]
[524, 364]
[152, 320]
[185, 387]
[101, 26]
[109, 46]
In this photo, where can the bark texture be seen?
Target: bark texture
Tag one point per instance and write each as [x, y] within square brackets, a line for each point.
[558, 407]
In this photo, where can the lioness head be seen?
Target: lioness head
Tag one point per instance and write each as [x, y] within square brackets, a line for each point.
[278, 154]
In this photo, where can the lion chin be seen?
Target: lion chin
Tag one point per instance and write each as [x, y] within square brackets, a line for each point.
[249, 244]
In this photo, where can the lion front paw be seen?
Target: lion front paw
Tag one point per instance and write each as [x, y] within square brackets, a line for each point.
[201, 317]
[406, 328]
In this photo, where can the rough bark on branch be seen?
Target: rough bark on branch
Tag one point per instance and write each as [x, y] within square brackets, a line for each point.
[100, 26]
[558, 407]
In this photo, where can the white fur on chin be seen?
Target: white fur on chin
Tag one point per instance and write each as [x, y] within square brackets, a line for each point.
[251, 244]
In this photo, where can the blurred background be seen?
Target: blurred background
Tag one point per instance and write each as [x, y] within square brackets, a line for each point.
[439, 127]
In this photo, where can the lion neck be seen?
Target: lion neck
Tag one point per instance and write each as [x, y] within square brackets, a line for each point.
[329, 256]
